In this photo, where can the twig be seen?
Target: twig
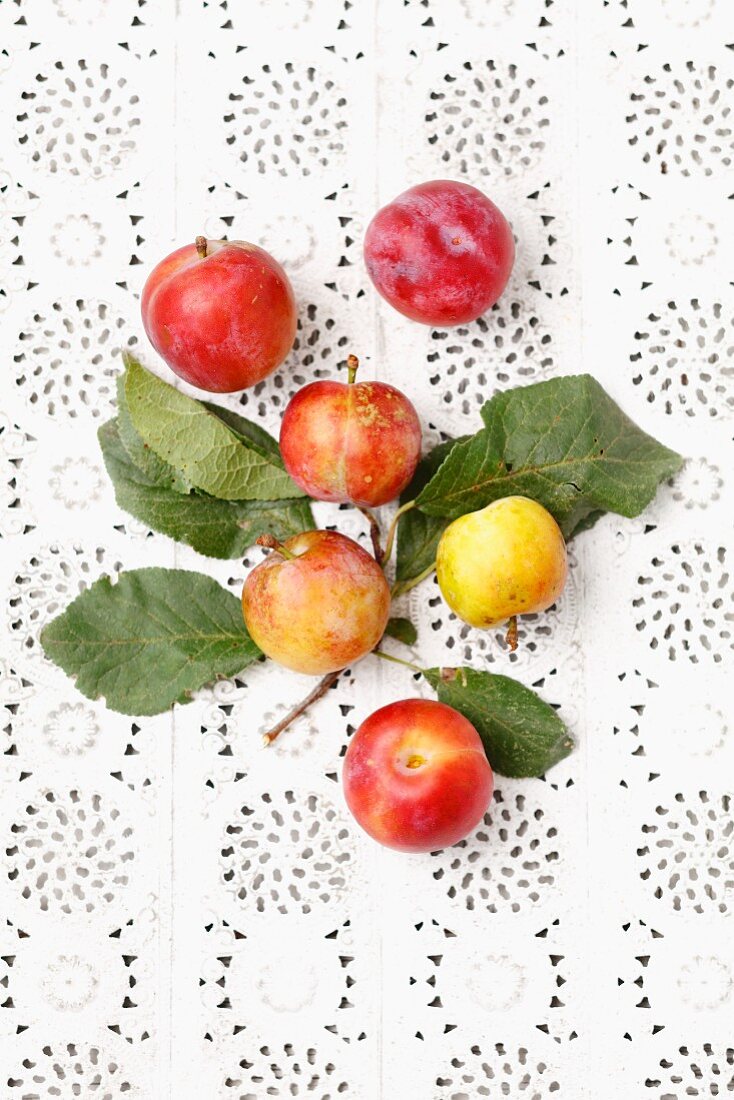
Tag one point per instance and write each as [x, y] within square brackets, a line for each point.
[321, 689]
[375, 533]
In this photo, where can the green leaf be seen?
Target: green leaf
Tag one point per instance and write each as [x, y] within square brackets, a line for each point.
[199, 445]
[522, 735]
[418, 533]
[586, 524]
[217, 528]
[403, 630]
[564, 443]
[251, 434]
[151, 639]
[155, 469]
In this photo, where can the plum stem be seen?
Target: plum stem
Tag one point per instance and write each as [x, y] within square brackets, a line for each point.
[511, 635]
[352, 368]
[375, 533]
[321, 689]
[392, 529]
[271, 543]
[201, 247]
[401, 587]
[397, 660]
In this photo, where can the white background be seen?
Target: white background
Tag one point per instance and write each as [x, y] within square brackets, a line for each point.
[185, 914]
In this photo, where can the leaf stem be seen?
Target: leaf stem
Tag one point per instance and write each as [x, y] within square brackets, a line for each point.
[375, 533]
[401, 587]
[397, 660]
[321, 689]
[393, 528]
[271, 543]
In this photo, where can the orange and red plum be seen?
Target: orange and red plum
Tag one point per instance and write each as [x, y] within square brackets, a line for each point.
[416, 776]
[320, 605]
[355, 442]
[221, 313]
[441, 253]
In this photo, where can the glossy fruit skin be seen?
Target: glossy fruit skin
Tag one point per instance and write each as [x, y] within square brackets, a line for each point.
[222, 322]
[423, 808]
[320, 612]
[441, 253]
[357, 442]
[506, 559]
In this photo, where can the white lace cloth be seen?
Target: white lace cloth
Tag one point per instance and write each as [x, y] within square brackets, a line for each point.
[188, 915]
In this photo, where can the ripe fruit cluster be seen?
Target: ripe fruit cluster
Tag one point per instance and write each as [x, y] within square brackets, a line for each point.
[223, 316]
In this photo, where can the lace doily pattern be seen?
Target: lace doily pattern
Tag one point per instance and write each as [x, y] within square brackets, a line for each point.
[185, 913]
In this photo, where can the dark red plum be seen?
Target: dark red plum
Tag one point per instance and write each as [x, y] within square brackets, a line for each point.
[441, 253]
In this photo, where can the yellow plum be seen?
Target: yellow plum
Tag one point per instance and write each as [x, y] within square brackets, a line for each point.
[506, 559]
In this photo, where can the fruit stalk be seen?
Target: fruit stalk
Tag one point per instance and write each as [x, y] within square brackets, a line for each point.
[201, 247]
[352, 368]
[269, 542]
